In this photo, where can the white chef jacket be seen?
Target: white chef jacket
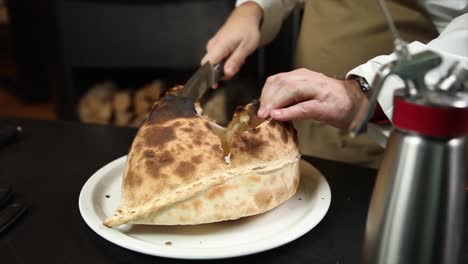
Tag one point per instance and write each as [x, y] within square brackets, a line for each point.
[450, 17]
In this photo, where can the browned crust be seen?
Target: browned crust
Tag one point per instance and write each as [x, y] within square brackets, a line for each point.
[176, 147]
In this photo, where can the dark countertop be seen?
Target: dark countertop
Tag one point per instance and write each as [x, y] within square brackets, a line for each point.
[51, 160]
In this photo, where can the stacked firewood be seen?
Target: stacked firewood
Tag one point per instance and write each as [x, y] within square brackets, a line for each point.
[104, 103]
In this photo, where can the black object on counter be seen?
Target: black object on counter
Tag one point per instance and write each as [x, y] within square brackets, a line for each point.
[10, 214]
[8, 134]
[5, 194]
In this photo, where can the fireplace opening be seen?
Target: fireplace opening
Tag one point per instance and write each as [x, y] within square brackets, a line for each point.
[124, 97]
[125, 46]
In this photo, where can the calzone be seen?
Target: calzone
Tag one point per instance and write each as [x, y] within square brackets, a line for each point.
[184, 169]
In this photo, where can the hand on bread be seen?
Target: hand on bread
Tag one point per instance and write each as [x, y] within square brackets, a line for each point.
[299, 94]
[236, 39]
[305, 94]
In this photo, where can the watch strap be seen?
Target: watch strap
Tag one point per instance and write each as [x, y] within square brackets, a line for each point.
[363, 84]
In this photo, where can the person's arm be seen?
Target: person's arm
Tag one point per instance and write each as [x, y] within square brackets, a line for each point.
[451, 44]
[251, 24]
[304, 94]
[274, 13]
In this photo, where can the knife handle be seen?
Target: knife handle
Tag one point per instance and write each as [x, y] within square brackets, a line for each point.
[219, 70]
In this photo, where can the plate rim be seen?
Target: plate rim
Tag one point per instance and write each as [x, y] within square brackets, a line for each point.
[134, 244]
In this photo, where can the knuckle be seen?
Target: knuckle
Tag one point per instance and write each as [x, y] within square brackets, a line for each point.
[281, 77]
[211, 43]
[304, 108]
[296, 94]
[271, 79]
[321, 75]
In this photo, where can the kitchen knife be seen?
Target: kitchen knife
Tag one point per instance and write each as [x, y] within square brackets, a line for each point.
[202, 80]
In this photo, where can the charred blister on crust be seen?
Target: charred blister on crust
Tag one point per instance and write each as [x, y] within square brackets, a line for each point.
[196, 137]
[216, 148]
[132, 180]
[149, 154]
[154, 165]
[251, 145]
[165, 158]
[271, 136]
[137, 146]
[184, 169]
[234, 144]
[158, 136]
[196, 159]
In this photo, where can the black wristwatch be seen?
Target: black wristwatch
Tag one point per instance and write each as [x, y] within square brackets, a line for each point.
[363, 84]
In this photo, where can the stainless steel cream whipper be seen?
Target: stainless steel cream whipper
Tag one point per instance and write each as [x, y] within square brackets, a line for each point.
[416, 210]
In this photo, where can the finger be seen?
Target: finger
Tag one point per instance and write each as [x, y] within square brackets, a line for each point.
[283, 78]
[209, 47]
[290, 94]
[237, 59]
[286, 95]
[311, 109]
[280, 90]
[269, 88]
[218, 52]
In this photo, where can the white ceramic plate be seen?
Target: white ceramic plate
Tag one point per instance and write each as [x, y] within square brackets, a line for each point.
[101, 193]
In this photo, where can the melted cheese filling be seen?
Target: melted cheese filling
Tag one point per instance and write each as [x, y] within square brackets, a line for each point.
[240, 123]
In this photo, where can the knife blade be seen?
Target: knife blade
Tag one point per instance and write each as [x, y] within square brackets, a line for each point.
[202, 80]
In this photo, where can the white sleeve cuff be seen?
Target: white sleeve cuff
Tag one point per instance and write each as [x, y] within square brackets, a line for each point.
[368, 71]
[451, 45]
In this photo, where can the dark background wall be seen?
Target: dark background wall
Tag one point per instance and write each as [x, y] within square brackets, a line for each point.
[63, 46]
